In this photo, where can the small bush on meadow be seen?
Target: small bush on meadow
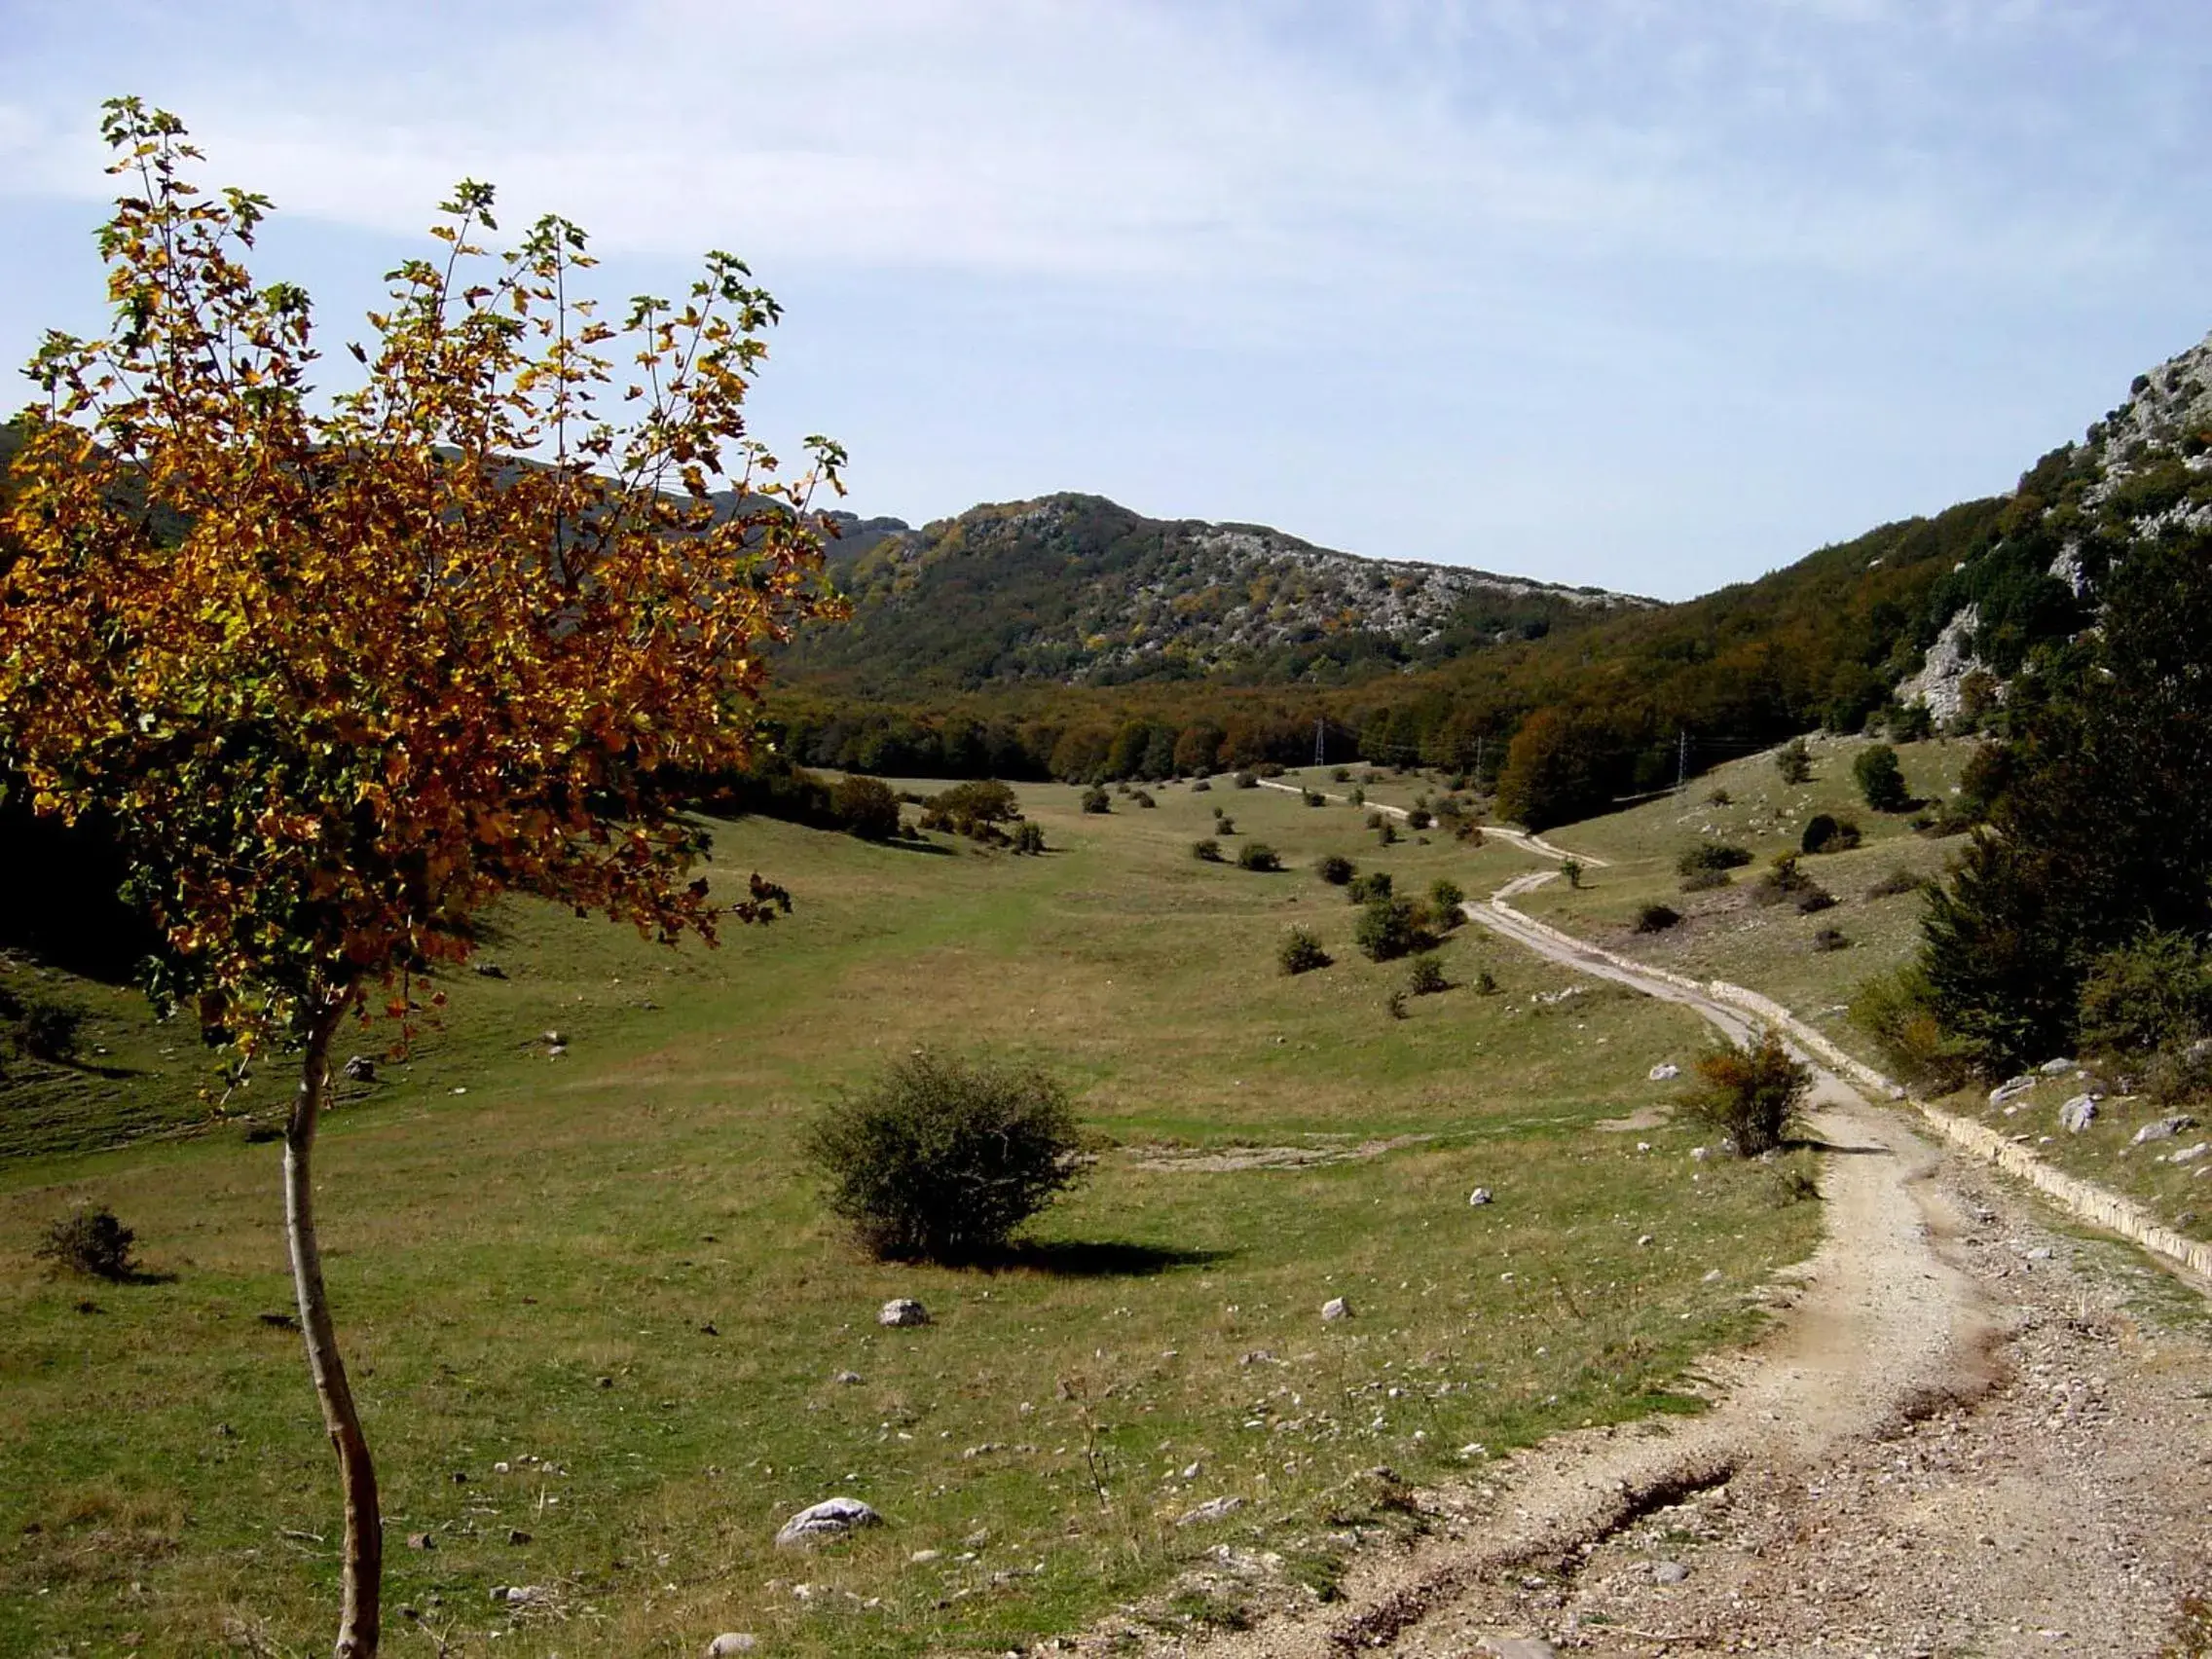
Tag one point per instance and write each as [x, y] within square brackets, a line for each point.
[1571, 868]
[1207, 851]
[1899, 880]
[1782, 882]
[1143, 797]
[1342, 774]
[1300, 953]
[1335, 869]
[1390, 928]
[1486, 983]
[1386, 832]
[1259, 856]
[1826, 834]
[1712, 856]
[1365, 889]
[1444, 896]
[1028, 838]
[1898, 1011]
[1224, 824]
[1881, 781]
[1247, 780]
[1358, 797]
[940, 1159]
[1656, 918]
[1426, 977]
[1704, 881]
[1755, 1096]
[1394, 1005]
[1831, 939]
[1201, 787]
[1813, 900]
[90, 1242]
[1794, 761]
[1419, 818]
[1314, 797]
[867, 807]
[1096, 799]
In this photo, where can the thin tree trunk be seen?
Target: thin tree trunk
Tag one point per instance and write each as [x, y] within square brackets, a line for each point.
[359, 1616]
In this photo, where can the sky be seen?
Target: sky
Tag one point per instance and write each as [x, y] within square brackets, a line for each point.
[1654, 295]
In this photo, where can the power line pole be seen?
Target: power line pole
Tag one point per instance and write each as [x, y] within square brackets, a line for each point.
[1320, 733]
[1682, 759]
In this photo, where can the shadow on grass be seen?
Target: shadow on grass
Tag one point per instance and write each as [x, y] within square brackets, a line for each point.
[1098, 1258]
[905, 846]
[1809, 1145]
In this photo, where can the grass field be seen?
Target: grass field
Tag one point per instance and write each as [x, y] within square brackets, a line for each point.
[595, 1309]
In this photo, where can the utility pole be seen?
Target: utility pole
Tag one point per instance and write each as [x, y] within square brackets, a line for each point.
[1320, 733]
[1682, 759]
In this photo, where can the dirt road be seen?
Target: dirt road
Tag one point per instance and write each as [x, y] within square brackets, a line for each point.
[1964, 1438]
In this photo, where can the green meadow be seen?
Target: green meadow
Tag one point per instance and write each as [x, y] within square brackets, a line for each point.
[596, 1312]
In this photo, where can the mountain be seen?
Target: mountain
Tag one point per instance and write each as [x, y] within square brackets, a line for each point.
[1076, 589]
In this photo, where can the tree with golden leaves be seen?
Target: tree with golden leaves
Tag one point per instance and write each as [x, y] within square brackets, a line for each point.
[344, 667]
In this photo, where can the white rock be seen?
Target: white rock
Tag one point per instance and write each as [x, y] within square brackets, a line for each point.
[2055, 1068]
[732, 1641]
[2078, 1114]
[1701, 1153]
[2164, 1128]
[2190, 1154]
[1669, 1573]
[1336, 1308]
[903, 1311]
[832, 1518]
[1665, 1072]
[1516, 1647]
[1213, 1509]
[1479, 1196]
[848, 1377]
[2013, 1089]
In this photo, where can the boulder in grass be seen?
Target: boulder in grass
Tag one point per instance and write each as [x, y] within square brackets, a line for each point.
[1335, 1308]
[901, 1312]
[2078, 1114]
[732, 1641]
[832, 1518]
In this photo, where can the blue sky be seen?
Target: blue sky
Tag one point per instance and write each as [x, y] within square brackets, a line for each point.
[1655, 294]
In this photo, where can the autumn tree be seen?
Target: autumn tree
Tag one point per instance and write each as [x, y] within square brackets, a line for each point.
[342, 667]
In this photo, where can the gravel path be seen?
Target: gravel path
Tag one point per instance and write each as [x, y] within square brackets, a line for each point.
[1963, 1437]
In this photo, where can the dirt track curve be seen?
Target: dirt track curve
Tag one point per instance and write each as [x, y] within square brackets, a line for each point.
[1961, 1439]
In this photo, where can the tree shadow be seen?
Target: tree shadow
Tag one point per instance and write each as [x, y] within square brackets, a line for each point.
[905, 846]
[1810, 1145]
[1098, 1258]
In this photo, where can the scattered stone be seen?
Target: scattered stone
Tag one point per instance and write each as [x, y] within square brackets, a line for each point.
[522, 1594]
[1712, 1275]
[922, 1558]
[491, 971]
[848, 1377]
[2163, 1129]
[359, 1068]
[1335, 1308]
[1516, 1647]
[902, 1311]
[1479, 1196]
[2190, 1154]
[2078, 1114]
[421, 1541]
[2055, 1068]
[553, 1039]
[1213, 1509]
[732, 1641]
[1701, 1153]
[832, 1518]
[1644, 1241]
[1665, 1072]
[1194, 1469]
[2012, 1089]
[1669, 1573]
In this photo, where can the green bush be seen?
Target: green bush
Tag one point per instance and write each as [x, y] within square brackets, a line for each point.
[1028, 837]
[1783, 882]
[1224, 824]
[40, 1030]
[1365, 889]
[1571, 868]
[92, 1242]
[1199, 785]
[1426, 977]
[1386, 832]
[1656, 918]
[1419, 818]
[1394, 1005]
[1898, 1011]
[1444, 896]
[1814, 899]
[2154, 992]
[1335, 869]
[1830, 938]
[1207, 851]
[867, 807]
[1826, 834]
[1259, 856]
[1300, 953]
[976, 809]
[1897, 880]
[1358, 797]
[1314, 797]
[1096, 799]
[1711, 856]
[1390, 928]
[1342, 774]
[1704, 880]
[1881, 781]
[940, 1159]
[1486, 983]
[1755, 1096]
[1794, 761]
[1247, 780]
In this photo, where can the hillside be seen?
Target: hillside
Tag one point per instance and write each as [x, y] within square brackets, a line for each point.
[1077, 589]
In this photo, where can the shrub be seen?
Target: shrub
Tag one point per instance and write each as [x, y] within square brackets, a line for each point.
[974, 809]
[1486, 983]
[1426, 977]
[1201, 786]
[1419, 818]
[1783, 881]
[2177, 1076]
[1375, 821]
[1390, 928]
[1793, 761]
[1312, 798]
[1704, 880]
[1571, 868]
[1028, 837]
[1342, 774]
[1830, 938]
[1898, 1011]
[867, 807]
[1826, 834]
[943, 1158]
[1207, 851]
[1143, 797]
[1444, 896]
[1096, 799]
[1247, 780]
[1720, 797]
[1271, 769]
[1899, 880]
[92, 1242]
[1709, 856]
[1259, 856]
[1656, 918]
[1386, 832]
[1300, 953]
[1364, 889]
[1394, 1005]
[1813, 900]
[1358, 797]
[1753, 1095]
[1224, 824]
[1335, 869]
[2154, 992]
[1881, 781]
[41, 1030]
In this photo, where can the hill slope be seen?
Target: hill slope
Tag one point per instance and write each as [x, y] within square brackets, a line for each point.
[1076, 588]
